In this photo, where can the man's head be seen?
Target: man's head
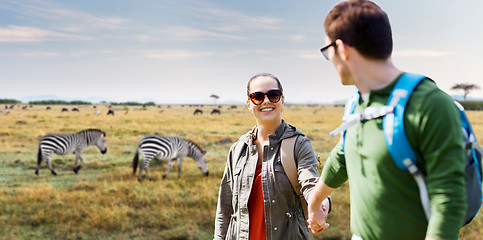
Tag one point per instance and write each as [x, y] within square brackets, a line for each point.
[363, 25]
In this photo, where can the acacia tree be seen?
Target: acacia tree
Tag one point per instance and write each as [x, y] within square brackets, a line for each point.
[215, 97]
[466, 87]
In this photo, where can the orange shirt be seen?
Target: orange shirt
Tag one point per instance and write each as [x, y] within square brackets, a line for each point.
[256, 209]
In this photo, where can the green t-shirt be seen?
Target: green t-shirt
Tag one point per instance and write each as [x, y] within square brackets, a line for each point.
[385, 201]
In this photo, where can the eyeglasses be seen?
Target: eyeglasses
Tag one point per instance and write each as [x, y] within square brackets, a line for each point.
[325, 50]
[273, 95]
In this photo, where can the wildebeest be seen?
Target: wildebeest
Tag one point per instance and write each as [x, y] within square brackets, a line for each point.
[110, 112]
[64, 110]
[215, 111]
[69, 143]
[198, 111]
[75, 110]
[168, 149]
[48, 108]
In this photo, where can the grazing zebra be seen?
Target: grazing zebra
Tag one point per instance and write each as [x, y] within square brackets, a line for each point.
[168, 149]
[69, 143]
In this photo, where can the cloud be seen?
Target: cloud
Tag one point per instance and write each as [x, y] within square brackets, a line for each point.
[297, 38]
[419, 53]
[309, 54]
[59, 18]
[81, 53]
[179, 33]
[209, 14]
[175, 54]
[231, 21]
[30, 34]
[38, 54]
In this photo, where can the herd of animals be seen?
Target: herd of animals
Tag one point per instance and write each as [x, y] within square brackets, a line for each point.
[197, 111]
[164, 148]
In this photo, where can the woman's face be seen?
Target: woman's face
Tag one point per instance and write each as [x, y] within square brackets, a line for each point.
[267, 112]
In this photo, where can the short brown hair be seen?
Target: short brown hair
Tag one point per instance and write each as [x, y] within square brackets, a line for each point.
[363, 25]
[263, 75]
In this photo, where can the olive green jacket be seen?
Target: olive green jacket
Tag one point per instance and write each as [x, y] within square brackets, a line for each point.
[284, 216]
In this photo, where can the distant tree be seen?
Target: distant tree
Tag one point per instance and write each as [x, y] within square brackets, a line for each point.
[79, 102]
[215, 97]
[466, 87]
[8, 101]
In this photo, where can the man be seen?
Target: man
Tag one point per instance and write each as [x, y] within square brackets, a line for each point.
[385, 201]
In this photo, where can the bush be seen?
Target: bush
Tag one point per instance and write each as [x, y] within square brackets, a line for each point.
[8, 101]
[472, 105]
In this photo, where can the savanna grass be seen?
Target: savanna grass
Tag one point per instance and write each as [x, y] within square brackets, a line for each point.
[105, 201]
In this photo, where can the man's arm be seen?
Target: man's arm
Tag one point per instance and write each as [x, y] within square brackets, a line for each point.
[434, 129]
[318, 205]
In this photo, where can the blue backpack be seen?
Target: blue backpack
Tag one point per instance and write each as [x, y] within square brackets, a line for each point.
[400, 149]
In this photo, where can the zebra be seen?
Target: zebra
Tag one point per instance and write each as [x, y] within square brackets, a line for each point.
[69, 143]
[168, 149]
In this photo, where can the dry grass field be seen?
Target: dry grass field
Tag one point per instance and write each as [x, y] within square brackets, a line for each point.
[105, 201]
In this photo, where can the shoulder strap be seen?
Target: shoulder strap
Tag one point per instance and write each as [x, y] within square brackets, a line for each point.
[288, 162]
[395, 135]
[393, 123]
[350, 106]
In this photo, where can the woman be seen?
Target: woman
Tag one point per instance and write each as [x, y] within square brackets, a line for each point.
[256, 199]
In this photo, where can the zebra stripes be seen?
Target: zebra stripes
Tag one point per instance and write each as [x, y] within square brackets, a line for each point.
[168, 149]
[69, 143]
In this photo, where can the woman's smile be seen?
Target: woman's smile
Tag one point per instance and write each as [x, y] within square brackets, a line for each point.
[267, 109]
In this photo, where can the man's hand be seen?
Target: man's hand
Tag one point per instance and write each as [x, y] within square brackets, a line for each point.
[317, 219]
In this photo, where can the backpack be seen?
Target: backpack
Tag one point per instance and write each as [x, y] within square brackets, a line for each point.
[288, 163]
[400, 149]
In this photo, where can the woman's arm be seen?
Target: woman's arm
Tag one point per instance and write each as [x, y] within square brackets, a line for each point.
[224, 208]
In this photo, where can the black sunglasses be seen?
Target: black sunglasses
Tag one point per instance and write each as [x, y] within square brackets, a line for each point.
[273, 95]
[325, 50]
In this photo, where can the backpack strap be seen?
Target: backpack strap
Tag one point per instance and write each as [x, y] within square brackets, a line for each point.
[288, 162]
[395, 135]
[393, 123]
[347, 121]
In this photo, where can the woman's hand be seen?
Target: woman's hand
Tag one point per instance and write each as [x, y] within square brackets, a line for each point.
[317, 220]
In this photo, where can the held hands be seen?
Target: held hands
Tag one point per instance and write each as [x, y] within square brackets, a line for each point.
[317, 219]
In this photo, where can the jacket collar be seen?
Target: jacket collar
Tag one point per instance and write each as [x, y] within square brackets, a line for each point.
[282, 132]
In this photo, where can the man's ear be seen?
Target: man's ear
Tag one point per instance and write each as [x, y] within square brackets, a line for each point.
[342, 49]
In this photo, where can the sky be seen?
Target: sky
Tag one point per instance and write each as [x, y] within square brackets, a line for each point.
[184, 51]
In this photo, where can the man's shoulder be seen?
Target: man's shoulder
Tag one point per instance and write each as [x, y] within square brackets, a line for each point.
[428, 94]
